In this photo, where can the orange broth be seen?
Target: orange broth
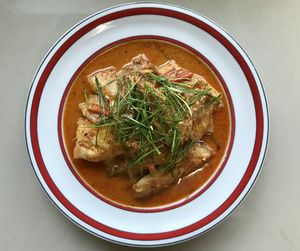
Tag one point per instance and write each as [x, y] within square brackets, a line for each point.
[118, 188]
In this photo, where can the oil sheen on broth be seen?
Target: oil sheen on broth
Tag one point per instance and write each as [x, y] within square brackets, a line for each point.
[118, 188]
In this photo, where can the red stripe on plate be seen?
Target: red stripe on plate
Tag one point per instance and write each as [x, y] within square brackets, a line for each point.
[151, 236]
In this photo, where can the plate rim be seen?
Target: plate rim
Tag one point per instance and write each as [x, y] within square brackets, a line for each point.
[263, 99]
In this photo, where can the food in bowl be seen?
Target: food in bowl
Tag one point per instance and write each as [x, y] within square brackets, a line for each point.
[146, 123]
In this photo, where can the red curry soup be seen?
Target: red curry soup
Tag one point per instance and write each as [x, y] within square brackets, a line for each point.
[146, 123]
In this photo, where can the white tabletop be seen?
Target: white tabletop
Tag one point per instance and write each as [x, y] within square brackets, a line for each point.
[268, 219]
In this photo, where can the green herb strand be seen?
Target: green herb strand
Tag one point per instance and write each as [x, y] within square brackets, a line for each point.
[150, 115]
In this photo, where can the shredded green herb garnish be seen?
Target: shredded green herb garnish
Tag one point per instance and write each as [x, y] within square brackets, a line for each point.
[146, 115]
[96, 140]
[101, 98]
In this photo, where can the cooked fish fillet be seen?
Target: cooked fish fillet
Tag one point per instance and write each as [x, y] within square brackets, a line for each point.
[139, 64]
[201, 121]
[196, 157]
[107, 147]
[91, 109]
[196, 123]
[107, 79]
[152, 183]
[117, 165]
[173, 71]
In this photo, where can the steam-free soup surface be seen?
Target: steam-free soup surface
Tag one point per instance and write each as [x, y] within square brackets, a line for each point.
[118, 188]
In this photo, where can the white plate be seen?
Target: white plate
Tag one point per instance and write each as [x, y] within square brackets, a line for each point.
[249, 135]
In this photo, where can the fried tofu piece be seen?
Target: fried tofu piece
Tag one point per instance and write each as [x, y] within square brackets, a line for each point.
[152, 183]
[86, 146]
